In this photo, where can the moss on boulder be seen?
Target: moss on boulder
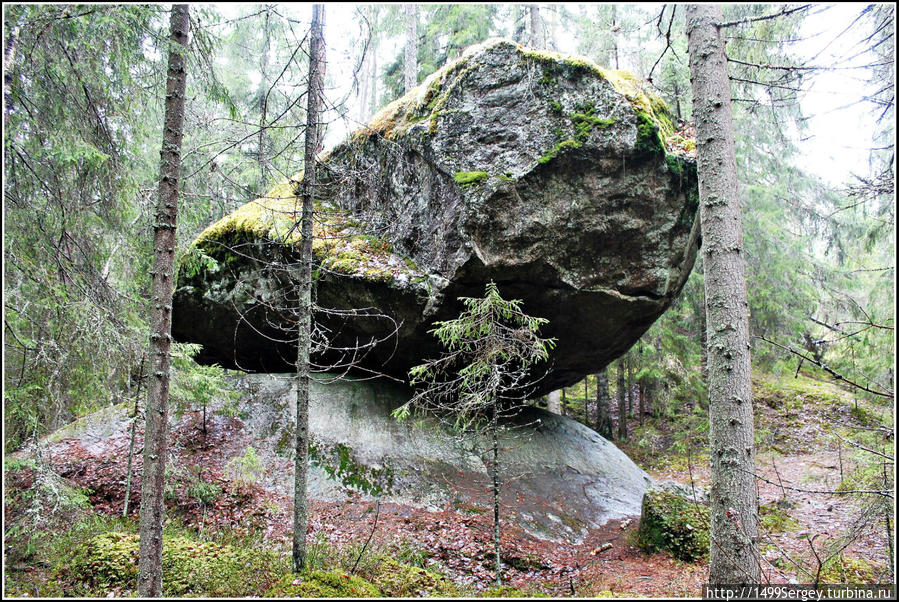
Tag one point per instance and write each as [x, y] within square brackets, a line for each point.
[673, 523]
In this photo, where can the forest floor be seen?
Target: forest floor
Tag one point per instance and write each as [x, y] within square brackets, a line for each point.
[834, 537]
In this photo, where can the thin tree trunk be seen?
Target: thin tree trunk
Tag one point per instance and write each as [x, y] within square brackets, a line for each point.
[263, 104]
[563, 406]
[140, 379]
[496, 546]
[603, 405]
[366, 68]
[629, 362]
[734, 497]
[622, 403]
[410, 60]
[152, 508]
[641, 409]
[373, 93]
[586, 397]
[615, 29]
[537, 38]
[304, 288]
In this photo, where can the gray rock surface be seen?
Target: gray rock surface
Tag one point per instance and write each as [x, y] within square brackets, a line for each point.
[542, 173]
[559, 477]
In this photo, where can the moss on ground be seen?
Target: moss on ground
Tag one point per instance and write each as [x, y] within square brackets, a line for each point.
[108, 564]
[775, 519]
[397, 580]
[322, 584]
[678, 525]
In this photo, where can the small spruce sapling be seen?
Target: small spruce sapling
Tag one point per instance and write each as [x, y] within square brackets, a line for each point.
[484, 375]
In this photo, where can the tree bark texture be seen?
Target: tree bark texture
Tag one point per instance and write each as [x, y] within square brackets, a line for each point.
[553, 402]
[622, 402]
[152, 509]
[304, 287]
[410, 60]
[734, 498]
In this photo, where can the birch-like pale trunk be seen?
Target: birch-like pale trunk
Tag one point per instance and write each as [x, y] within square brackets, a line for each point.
[304, 287]
[152, 508]
[734, 555]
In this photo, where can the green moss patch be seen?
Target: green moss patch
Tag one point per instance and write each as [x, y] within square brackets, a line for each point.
[584, 121]
[678, 525]
[322, 584]
[775, 519]
[338, 244]
[468, 178]
[397, 580]
[108, 563]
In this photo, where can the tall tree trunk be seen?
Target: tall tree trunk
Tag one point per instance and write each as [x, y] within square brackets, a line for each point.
[622, 403]
[615, 28]
[263, 103]
[734, 498]
[553, 403]
[629, 388]
[494, 427]
[373, 73]
[641, 409]
[410, 60]
[537, 38]
[304, 287]
[152, 509]
[603, 405]
[365, 68]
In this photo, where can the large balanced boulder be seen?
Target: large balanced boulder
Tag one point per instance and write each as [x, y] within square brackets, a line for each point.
[562, 182]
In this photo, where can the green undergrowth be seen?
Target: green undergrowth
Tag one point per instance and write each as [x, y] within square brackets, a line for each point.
[507, 591]
[97, 557]
[792, 415]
